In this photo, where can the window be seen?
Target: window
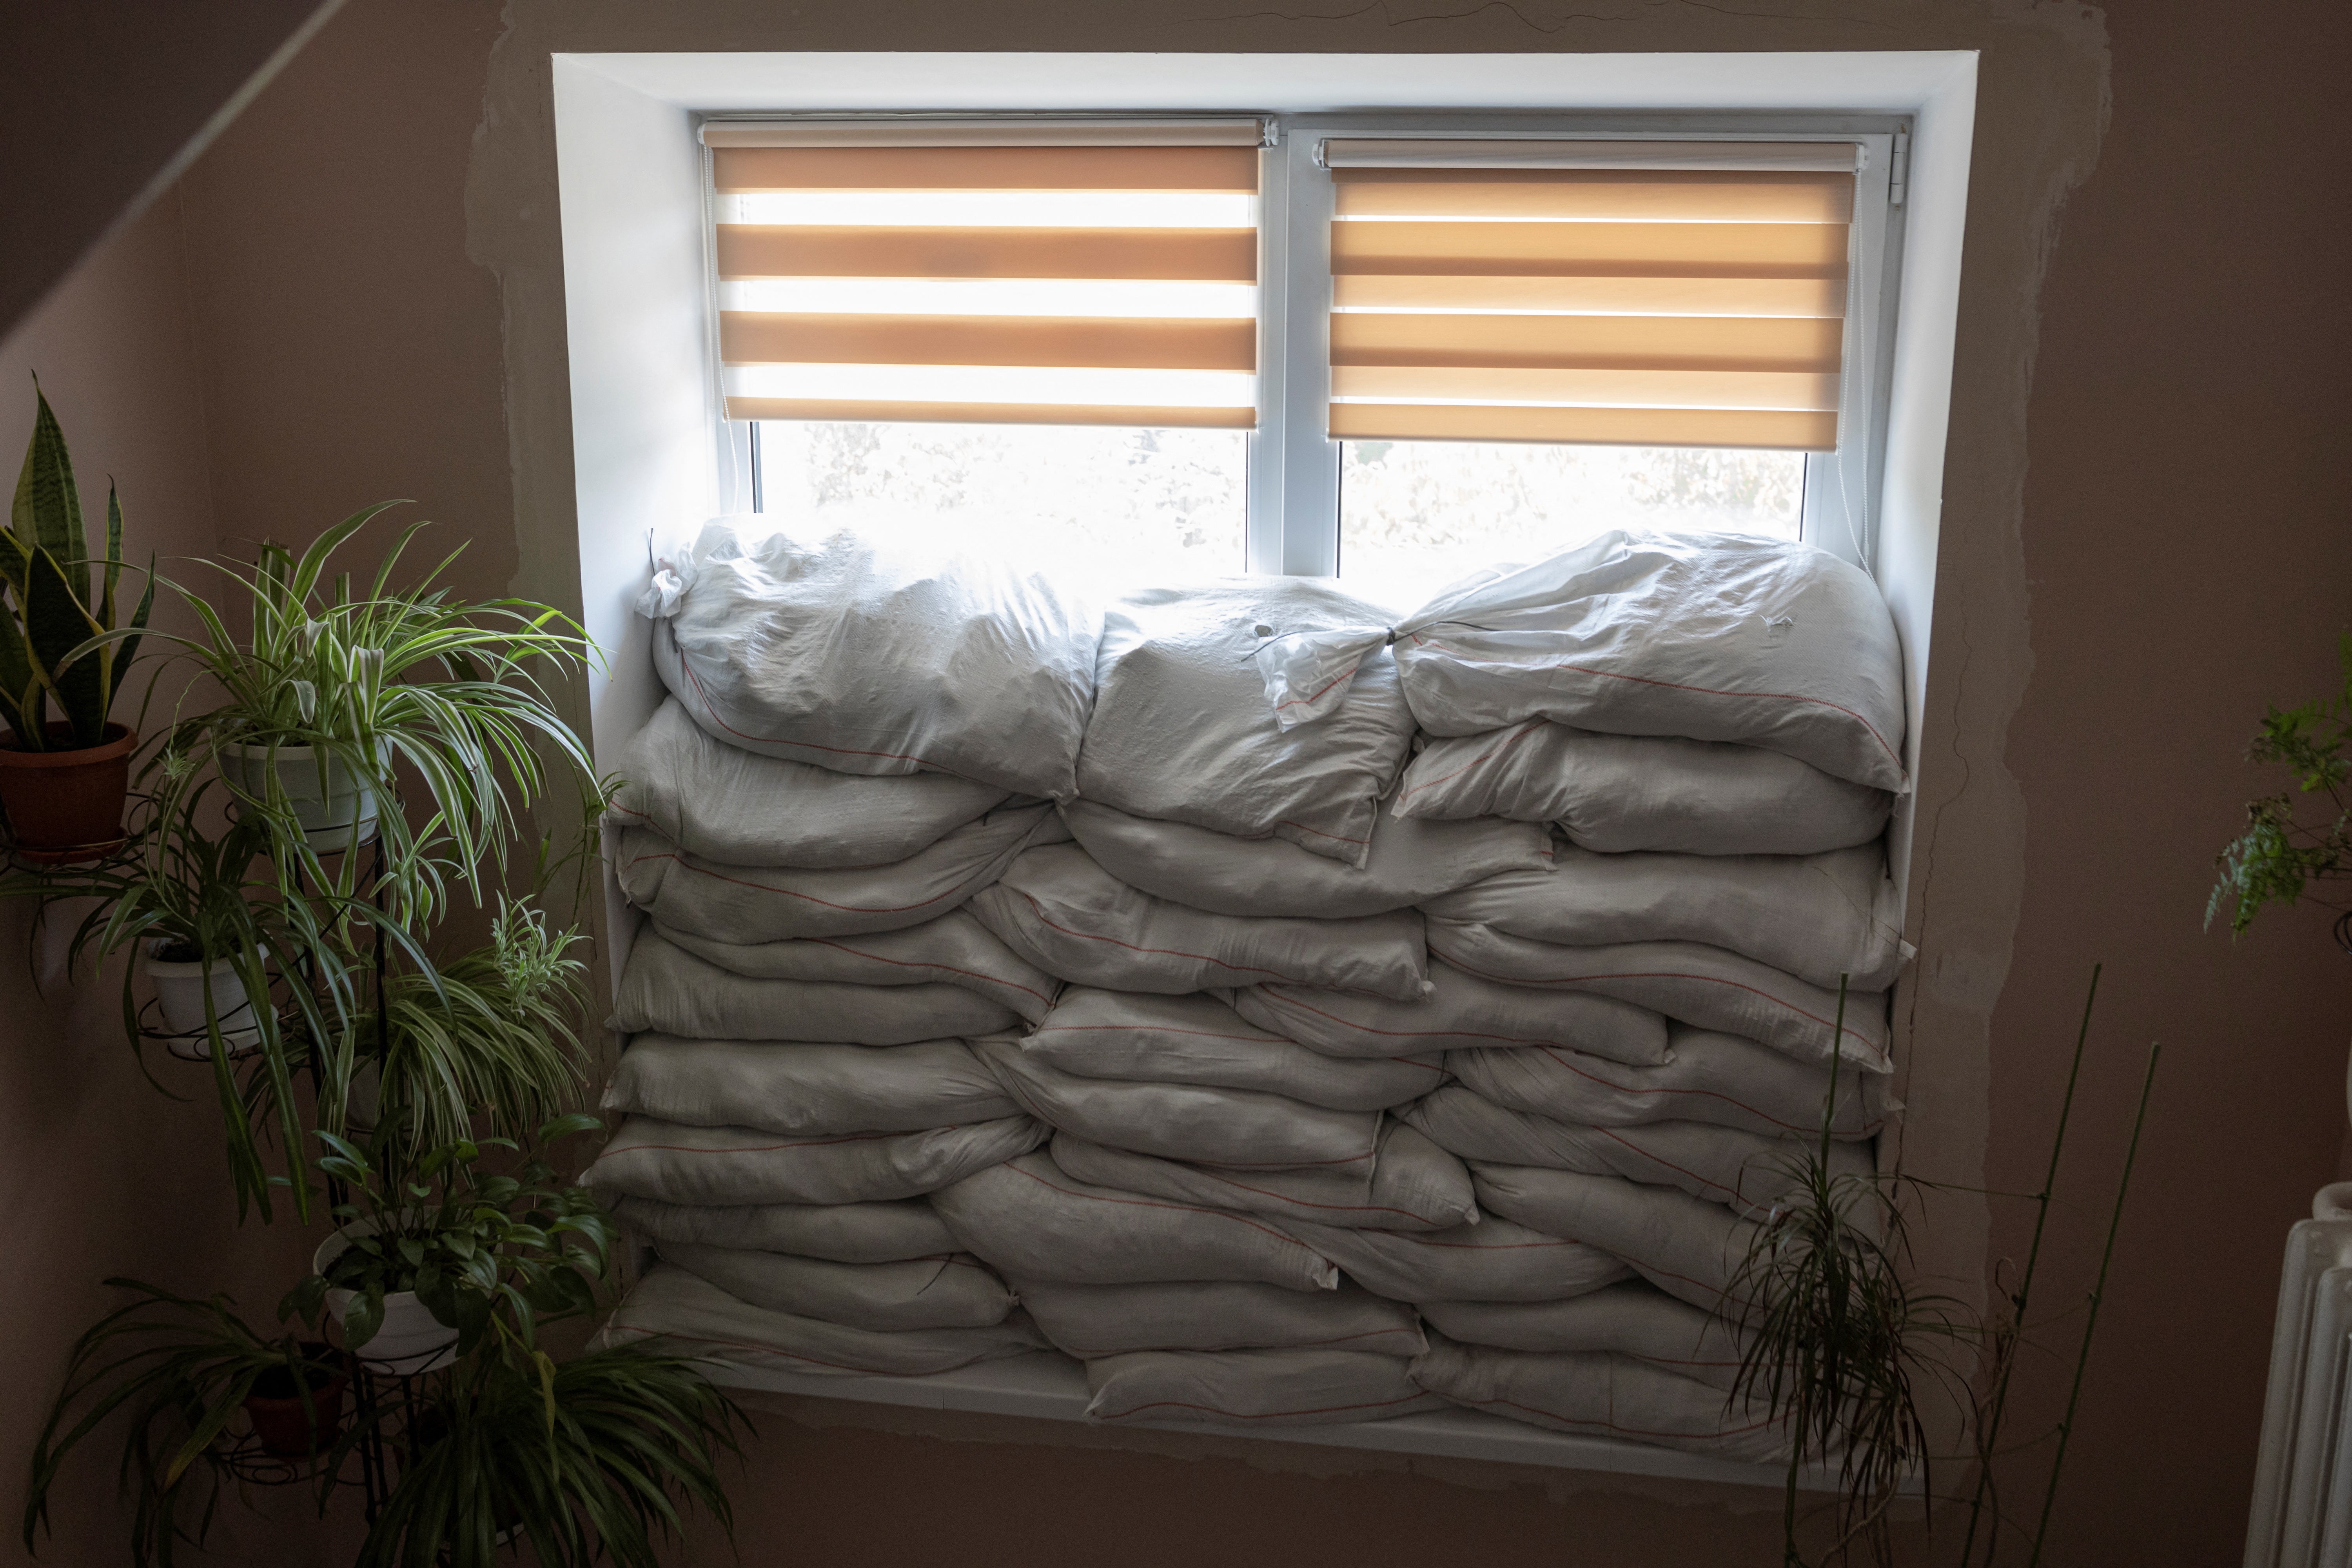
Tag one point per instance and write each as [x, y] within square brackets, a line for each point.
[1390, 349]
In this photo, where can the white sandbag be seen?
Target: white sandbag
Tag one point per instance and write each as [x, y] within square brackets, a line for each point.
[730, 1167]
[1707, 986]
[876, 653]
[679, 1314]
[950, 1292]
[667, 989]
[1711, 637]
[804, 1091]
[1091, 1321]
[1413, 1184]
[1180, 731]
[1707, 1077]
[1236, 1128]
[1815, 916]
[774, 903]
[1410, 861]
[1253, 1388]
[743, 809]
[1684, 1246]
[1461, 1011]
[1634, 1319]
[1601, 1395]
[1494, 1260]
[953, 950]
[1748, 1170]
[1620, 793]
[845, 1233]
[1199, 1039]
[1032, 1221]
[1070, 917]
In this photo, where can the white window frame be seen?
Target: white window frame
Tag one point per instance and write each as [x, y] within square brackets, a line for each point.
[649, 456]
[1293, 517]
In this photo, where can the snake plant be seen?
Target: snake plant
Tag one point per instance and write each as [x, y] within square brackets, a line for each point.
[45, 565]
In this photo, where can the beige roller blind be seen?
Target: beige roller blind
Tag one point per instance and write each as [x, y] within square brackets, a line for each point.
[1035, 283]
[1605, 292]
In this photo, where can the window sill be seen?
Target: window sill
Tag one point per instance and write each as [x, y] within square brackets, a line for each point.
[1052, 1388]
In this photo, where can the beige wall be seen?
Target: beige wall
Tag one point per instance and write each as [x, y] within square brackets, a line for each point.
[2142, 543]
[100, 1173]
[107, 100]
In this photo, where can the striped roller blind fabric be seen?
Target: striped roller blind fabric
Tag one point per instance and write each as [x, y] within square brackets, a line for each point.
[985, 283]
[1687, 294]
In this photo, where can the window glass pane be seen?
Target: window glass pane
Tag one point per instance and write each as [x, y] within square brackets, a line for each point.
[1416, 515]
[1142, 503]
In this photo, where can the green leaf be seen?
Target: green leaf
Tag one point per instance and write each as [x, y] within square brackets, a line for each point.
[56, 624]
[47, 511]
[364, 1317]
[16, 684]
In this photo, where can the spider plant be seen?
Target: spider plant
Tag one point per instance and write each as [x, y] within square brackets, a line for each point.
[495, 1031]
[200, 893]
[181, 1369]
[365, 685]
[591, 1459]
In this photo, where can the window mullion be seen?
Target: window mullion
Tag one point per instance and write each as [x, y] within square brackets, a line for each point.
[1309, 519]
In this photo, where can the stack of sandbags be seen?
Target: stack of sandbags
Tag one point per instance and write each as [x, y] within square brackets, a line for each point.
[1714, 724]
[856, 741]
[1281, 1076]
[1214, 850]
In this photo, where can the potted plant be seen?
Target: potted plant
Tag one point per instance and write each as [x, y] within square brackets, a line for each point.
[588, 1460]
[422, 1256]
[495, 1031]
[333, 693]
[2281, 854]
[62, 780]
[214, 937]
[1840, 1346]
[182, 1372]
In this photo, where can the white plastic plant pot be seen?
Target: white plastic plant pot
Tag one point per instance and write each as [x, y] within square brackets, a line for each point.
[411, 1339]
[180, 995]
[337, 811]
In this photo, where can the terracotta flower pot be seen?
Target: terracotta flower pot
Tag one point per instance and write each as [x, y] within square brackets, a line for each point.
[287, 1430]
[66, 807]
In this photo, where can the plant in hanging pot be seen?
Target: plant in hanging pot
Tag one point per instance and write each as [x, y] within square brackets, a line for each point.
[333, 694]
[423, 1254]
[63, 781]
[182, 1371]
[496, 1031]
[220, 943]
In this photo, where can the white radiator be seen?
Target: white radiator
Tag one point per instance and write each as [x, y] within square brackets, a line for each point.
[2302, 1476]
